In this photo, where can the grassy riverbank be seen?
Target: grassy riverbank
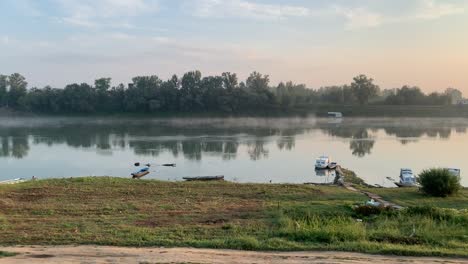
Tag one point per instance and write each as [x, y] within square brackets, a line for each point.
[413, 197]
[123, 212]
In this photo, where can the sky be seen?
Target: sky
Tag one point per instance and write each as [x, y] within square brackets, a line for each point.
[315, 42]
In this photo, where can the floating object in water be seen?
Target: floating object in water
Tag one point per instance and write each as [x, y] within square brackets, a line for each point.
[335, 114]
[149, 164]
[322, 163]
[205, 178]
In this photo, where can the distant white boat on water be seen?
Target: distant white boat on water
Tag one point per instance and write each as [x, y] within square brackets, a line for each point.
[335, 114]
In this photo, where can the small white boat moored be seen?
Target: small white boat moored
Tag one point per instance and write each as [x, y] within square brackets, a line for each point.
[322, 162]
[454, 172]
[407, 178]
[335, 114]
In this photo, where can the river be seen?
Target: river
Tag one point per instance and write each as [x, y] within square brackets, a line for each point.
[261, 150]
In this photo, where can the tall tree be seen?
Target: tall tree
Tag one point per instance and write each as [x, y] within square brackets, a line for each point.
[230, 81]
[102, 84]
[3, 89]
[257, 81]
[17, 90]
[190, 92]
[363, 88]
[454, 94]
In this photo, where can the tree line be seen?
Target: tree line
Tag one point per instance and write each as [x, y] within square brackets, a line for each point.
[195, 93]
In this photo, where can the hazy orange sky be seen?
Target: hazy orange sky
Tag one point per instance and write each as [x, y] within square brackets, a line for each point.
[319, 43]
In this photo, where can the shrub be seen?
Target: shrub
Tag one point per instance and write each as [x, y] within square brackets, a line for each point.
[439, 182]
[368, 210]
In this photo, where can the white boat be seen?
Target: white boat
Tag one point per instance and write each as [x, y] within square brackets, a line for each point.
[13, 181]
[454, 172]
[335, 114]
[407, 178]
[322, 163]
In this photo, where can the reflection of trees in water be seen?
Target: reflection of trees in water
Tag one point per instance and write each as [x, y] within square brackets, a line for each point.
[286, 143]
[192, 149]
[154, 148]
[417, 132]
[5, 150]
[16, 146]
[230, 149]
[361, 148]
[153, 139]
[257, 150]
[361, 141]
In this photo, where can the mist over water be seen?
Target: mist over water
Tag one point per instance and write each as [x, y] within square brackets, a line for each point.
[280, 150]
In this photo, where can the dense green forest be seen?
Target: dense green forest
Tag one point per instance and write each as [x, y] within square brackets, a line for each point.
[195, 93]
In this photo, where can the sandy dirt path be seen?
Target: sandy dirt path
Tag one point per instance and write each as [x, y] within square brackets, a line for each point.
[99, 254]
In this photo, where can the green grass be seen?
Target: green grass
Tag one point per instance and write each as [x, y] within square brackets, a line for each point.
[6, 254]
[414, 197]
[123, 212]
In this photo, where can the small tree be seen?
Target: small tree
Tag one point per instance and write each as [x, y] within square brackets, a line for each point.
[439, 182]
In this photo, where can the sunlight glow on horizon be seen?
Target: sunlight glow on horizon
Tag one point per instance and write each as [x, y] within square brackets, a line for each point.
[320, 43]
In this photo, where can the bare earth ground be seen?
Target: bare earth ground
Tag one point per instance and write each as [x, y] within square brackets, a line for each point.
[100, 254]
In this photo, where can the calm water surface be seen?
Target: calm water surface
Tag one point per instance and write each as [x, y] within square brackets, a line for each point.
[280, 150]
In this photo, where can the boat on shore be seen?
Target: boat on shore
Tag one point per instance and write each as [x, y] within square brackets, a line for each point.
[205, 178]
[141, 173]
[407, 178]
[13, 181]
